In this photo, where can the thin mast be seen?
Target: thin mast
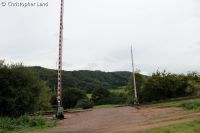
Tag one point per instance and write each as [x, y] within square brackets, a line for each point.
[60, 55]
[134, 82]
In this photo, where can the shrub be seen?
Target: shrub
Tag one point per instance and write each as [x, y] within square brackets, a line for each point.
[23, 123]
[21, 91]
[84, 104]
[192, 105]
[100, 95]
[71, 96]
[162, 86]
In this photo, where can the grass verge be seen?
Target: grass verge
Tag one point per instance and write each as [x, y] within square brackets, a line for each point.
[191, 104]
[25, 123]
[189, 127]
[108, 106]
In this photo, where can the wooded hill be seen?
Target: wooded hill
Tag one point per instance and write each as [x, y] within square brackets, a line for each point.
[83, 79]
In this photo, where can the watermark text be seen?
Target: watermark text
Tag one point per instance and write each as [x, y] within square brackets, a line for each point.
[23, 4]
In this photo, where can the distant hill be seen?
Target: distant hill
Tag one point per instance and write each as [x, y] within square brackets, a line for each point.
[83, 79]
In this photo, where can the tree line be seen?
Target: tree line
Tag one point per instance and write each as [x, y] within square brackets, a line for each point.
[84, 79]
[27, 89]
[164, 85]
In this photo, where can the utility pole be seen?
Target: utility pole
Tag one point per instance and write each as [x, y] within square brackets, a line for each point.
[60, 109]
[136, 102]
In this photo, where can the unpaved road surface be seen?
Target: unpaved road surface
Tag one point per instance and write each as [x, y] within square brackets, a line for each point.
[121, 120]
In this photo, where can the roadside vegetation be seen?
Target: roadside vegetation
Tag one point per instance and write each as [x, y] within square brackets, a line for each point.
[22, 92]
[185, 127]
[108, 106]
[101, 88]
[26, 90]
[161, 86]
[24, 123]
[189, 104]
[188, 127]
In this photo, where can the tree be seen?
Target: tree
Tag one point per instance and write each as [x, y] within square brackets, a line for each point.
[84, 104]
[163, 85]
[20, 90]
[44, 98]
[140, 80]
[100, 95]
[71, 96]
[193, 83]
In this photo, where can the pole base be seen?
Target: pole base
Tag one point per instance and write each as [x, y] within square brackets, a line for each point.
[136, 102]
[60, 113]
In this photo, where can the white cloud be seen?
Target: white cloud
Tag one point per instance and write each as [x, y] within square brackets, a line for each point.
[98, 34]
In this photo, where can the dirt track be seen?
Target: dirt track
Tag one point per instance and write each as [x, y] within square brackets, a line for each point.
[121, 120]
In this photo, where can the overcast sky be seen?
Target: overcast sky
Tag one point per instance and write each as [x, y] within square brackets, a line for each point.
[165, 34]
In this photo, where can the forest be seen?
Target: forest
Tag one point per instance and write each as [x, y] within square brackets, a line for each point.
[83, 79]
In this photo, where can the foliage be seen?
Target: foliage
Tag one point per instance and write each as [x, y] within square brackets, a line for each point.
[117, 98]
[193, 83]
[24, 123]
[191, 105]
[71, 96]
[84, 104]
[140, 81]
[21, 91]
[44, 99]
[53, 100]
[85, 80]
[100, 95]
[163, 85]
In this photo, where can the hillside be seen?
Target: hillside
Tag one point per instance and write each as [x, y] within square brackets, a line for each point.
[83, 79]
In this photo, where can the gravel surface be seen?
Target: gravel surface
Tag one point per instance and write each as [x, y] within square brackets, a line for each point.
[119, 120]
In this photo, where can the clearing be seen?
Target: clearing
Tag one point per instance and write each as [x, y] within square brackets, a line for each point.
[122, 120]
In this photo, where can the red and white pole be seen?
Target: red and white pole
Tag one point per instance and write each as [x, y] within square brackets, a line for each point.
[60, 55]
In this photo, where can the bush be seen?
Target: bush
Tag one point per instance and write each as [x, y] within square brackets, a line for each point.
[100, 95]
[84, 104]
[71, 96]
[24, 123]
[162, 86]
[113, 98]
[21, 91]
[192, 105]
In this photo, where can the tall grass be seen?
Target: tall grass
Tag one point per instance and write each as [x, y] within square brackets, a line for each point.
[24, 123]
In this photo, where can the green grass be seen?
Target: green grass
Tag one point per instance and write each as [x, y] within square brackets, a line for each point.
[108, 106]
[118, 90]
[189, 127]
[89, 95]
[25, 123]
[191, 104]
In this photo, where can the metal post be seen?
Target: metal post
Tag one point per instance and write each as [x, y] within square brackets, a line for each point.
[136, 102]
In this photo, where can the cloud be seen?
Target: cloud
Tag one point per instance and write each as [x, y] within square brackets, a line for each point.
[98, 35]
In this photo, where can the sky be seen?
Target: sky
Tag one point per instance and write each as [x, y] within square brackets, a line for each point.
[98, 34]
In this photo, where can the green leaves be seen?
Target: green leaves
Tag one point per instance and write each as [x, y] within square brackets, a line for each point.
[21, 91]
[71, 96]
[164, 85]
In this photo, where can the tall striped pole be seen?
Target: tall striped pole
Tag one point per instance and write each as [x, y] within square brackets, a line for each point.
[136, 102]
[59, 85]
